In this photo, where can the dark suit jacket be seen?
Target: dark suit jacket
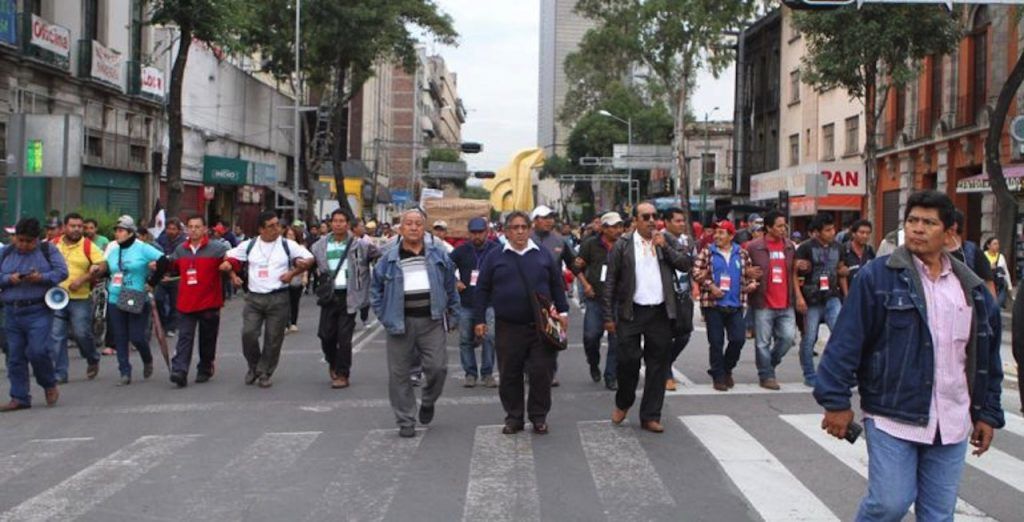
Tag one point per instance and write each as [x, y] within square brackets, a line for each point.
[620, 283]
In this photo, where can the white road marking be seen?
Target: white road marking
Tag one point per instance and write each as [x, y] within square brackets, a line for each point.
[502, 481]
[98, 482]
[768, 486]
[626, 481]
[34, 453]
[999, 465]
[373, 328]
[1014, 424]
[855, 456]
[230, 494]
[366, 484]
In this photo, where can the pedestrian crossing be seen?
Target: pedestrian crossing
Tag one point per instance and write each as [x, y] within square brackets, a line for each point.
[631, 472]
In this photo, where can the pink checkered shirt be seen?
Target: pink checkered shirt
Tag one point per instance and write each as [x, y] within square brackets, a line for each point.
[949, 320]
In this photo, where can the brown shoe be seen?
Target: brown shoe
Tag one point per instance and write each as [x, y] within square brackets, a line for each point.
[339, 381]
[770, 384]
[670, 385]
[721, 385]
[728, 381]
[618, 415]
[652, 426]
[334, 376]
[51, 396]
[14, 406]
[92, 371]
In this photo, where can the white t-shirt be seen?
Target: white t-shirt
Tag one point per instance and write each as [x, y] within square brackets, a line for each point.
[267, 262]
[648, 273]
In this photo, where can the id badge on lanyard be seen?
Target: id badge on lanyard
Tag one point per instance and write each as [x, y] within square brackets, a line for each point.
[777, 275]
[191, 277]
[263, 272]
[473, 277]
[117, 279]
[823, 283]
[725, 283]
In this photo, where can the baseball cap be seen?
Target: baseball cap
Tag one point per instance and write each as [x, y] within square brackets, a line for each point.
[610, 219]
[126, 222]
[53, 223]
[477, 224]
[441, 224]
[541, 211]
[727, 226]
[754, 218]
[220, 229]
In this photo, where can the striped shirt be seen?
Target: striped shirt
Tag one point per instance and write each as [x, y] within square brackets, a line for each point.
[416, 282]
[949, 320]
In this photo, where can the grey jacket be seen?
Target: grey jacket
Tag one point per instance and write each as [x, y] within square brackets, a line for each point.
[359, 254]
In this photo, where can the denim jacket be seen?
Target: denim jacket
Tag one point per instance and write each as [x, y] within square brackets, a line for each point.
[387, 291]
[882, 344]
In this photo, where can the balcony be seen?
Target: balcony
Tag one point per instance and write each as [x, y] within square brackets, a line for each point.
[53, 49]
[967, 109]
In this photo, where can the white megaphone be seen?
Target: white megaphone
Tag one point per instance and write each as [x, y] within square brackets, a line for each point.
[56, 298]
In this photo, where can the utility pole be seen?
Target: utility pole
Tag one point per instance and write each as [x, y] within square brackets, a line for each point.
[297, 130]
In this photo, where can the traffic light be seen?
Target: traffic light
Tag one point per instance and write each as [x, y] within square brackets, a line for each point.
[470, 147]
[484, 174]
[784, 203]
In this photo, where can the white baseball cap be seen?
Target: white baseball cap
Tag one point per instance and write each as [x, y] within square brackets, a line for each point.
[541, 211]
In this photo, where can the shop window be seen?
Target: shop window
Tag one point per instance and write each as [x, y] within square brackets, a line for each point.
[828, 142]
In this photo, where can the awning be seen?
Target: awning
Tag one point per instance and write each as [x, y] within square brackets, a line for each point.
[808, 206]
[1014, 175]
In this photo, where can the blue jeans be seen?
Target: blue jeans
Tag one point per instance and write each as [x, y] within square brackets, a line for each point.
[593, 331]
[74, 320]
[28, 342]
[901, 473]
[132, 328]
[724, 324]
[769, 324]
[827, 312]
[467, 348]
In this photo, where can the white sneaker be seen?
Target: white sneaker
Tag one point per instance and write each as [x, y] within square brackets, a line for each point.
[293, 328]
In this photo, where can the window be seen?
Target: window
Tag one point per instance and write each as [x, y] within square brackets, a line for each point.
[138, 154]
[136, 38]
[94, 146]
[707, 161]
[936, 95]
[794, 149]
[92, 20]
[828, 142]
[3, 147]
[794, 86]
[853, 135]
[979, 80]
[34, 6]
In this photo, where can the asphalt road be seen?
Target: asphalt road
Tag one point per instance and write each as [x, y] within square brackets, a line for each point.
[302, 451]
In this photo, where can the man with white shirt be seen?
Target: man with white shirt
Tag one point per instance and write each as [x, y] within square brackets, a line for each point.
[639, 287]
[270, 262]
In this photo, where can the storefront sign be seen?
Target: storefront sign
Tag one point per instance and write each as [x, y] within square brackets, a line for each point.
[8, 22]
[843, 178]
[263, 174]
[224, 171]
[1014, 175]
[106, 64]
[152, 82]
[50, 37]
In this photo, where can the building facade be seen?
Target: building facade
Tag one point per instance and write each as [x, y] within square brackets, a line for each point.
[756, 126]
[561, 31]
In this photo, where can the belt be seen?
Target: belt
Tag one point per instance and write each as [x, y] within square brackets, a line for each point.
[25, 303]
[272, 292]
[638, 305]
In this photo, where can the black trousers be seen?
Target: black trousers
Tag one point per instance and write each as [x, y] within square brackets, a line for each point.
[651, 323]
[682, 328]
[208, 323]
[520, 350]
[294, 296]
[335, 333]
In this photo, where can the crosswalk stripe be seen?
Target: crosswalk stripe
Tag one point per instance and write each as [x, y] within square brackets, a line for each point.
[502, 481]
[626, 481]
[855, 457]
[769, 487]
[1014, 424]
[94, 484]
[225, 497]
[365, 495]
[1000, 465]
[34, 453]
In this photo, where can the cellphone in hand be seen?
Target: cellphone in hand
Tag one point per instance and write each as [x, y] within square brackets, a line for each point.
[853, 431]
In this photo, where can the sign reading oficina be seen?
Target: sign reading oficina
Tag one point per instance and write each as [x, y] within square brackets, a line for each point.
[51, 37]
[152, 82]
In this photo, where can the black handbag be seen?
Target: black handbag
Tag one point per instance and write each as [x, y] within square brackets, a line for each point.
[549, 329]
[325, 294]
[129, 300]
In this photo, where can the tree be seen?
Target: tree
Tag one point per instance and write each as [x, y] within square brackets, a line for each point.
[869, 51]
[1006, 204]
[341, 44]
[668, 41]
[211, 22]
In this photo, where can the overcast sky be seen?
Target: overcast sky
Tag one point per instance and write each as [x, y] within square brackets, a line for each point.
[496, 62]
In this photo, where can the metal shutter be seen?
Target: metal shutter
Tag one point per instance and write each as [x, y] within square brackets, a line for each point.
[890, 211]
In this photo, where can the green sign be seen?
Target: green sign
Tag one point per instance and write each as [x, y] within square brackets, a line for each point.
[224, 171]
[34, 157]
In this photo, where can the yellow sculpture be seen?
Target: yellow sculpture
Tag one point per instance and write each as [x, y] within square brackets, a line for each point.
[512, 188]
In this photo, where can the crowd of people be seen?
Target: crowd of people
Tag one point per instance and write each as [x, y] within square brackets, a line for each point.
[928, 384]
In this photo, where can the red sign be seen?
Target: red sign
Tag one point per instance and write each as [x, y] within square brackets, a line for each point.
[152, 81]
[51, 37]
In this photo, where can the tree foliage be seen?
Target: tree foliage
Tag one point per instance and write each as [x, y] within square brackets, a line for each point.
[341, 44]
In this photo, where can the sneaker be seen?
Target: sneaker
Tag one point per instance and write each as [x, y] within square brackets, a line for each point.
[293, 328]
[179, 379]
[339, 382]
[124, 381]
[470, 381]
[512, 427]
[770, 384]
[265, 381]
[250, 378]
[109, 351]
[554, 383]
[170, 334]
[416, 379]
[92, 371]
[407, 432]
[489, 382]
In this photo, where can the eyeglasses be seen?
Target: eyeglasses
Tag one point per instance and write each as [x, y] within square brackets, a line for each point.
[646, 217]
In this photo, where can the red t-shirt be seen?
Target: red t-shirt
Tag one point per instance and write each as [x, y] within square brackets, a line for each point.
[776, 295]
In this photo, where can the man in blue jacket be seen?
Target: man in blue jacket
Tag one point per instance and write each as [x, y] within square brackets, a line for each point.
[413, 295]
[469, 259]
[919, 335]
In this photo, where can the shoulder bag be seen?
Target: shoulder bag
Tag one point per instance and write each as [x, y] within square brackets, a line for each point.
[129, 300]
[549, 329]
[325, 294]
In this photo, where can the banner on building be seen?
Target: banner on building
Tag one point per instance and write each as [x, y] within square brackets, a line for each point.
[152, 82]
[8, 22]
[106, 64]
[50, 37]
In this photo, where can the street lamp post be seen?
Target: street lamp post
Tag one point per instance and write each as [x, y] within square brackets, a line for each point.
[703, 169]
[629, 150]
[297, 130]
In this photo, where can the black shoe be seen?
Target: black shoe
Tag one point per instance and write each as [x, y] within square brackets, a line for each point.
[407, 432]
[595, 373]
[180, 379]
[540, 428]
[250, 378]
[147, 370]
[265, 381]
[511, 428]
[426, 414]
[611, 384]
[202, 377]
[554, 383]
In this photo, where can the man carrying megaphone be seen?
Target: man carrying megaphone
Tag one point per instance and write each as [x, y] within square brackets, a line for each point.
[85, 263]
